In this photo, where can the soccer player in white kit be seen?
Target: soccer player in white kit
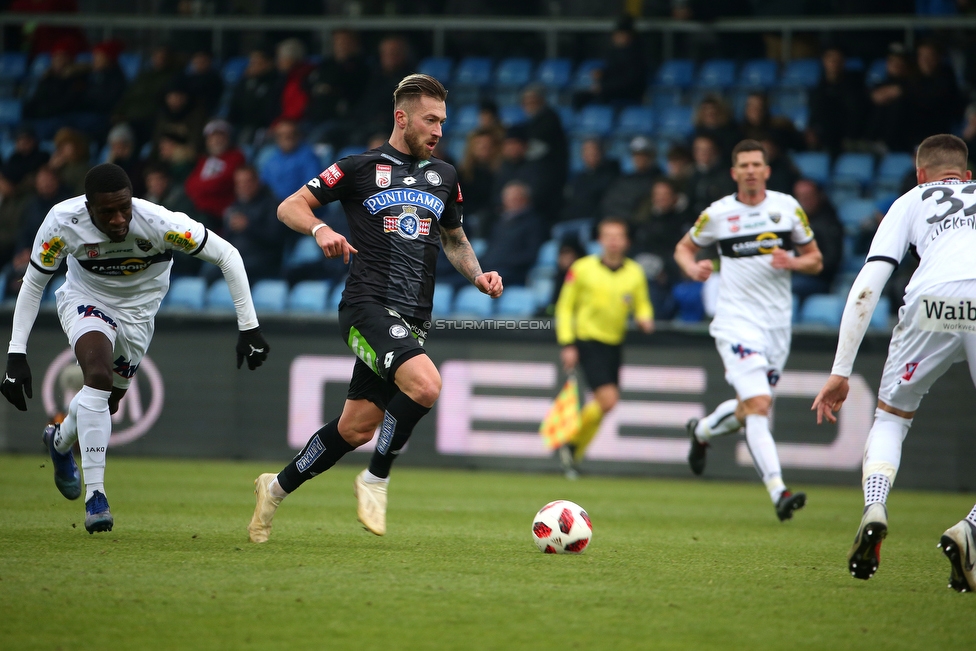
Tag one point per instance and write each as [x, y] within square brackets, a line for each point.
[757, 232]
[936, 328]
[119, 252]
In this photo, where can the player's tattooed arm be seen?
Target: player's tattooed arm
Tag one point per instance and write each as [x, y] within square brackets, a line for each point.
[458, 250]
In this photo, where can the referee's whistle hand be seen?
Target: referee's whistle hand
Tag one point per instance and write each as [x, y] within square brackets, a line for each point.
[489, 283]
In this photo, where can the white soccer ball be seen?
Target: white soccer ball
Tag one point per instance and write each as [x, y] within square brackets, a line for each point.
[562, 527]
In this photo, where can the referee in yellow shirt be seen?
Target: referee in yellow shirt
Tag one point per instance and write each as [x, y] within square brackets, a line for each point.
[599, 293]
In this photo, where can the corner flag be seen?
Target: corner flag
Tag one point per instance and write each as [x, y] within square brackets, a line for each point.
[563, 420]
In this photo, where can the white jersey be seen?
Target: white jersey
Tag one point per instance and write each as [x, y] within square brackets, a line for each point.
[751, 291]
[938, 221]
[132, 275]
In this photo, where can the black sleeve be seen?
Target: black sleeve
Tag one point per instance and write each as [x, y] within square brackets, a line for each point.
[335, 182]
[454, 210]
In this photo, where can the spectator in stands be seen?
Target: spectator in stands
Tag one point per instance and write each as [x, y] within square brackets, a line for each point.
[160, 189]
[48, 191]
[517, 235]
[256, 99]
[334, 88]
[936, 101]
[104, 87]
[758, 124]
[488, 118]
[623, 76]
[838, 105]
[122, 151]
[16, 185]
[628, 190]
[713, 118]
[890, 122]
[251, 225]
[203, 82]
[180, 114]
[292, 70]
[570, 250]
[711, 180]
[176, 155]
[829, 232]
[585, 192]
[661, 220]
[59, 92]
[373, 112]
[210, 185]
[514, 166]
[783, 174]
[482, 156]
[70, 159]
[292, 163]
[681, 166]
[547, 148]
[141, 100]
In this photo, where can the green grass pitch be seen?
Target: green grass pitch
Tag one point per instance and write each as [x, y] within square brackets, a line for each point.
[673, 565]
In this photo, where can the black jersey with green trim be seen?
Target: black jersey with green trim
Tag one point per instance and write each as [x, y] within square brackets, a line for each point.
[396, 205]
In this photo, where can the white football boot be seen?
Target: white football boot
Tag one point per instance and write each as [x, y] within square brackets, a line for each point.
[372, 504]
[264, 509]
[959, 545]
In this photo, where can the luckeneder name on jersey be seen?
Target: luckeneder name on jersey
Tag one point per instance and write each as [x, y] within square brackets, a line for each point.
[937, 219]
[395, 205]
[132, 275]
[750, 289]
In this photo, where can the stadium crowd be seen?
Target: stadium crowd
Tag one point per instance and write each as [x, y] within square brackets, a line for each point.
[544, 148]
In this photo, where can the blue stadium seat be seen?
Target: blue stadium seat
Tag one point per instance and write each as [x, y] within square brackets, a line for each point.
[350, 150]
[798, 115]
[796, 309]
[553, 73]
[801, 73]
[437, 67]
[10, 112]
[471, 302]
[517, 301]
[335, 297]
[233, 70]
[218, 296]
[785, 99]
[881, 319]
[479, 245]
[270, 296]
[583, 76]
[594, 120]
[582, 228]
[675, 72]
[823, 309]
[186, 292]
[473, 71]
[634, 121]
[304, 252]
[758, 73]
[40, 64]
[853, 213]
[131, 64]
[813, 165]
[513, 72]
[455, 146]
[675, 123]
[877, 73]
[309, 296]
[716, 73]
[13, 66]
[463, 120]
[548, 253]
[663, 97]
[567, 116]
[511, 114]
[542, 289]
[443, 296]
[893, 168]
[853, 169]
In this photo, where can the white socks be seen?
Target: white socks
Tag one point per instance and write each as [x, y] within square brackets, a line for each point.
[764, 456]
[719, 422]
[972, 516]
[882, 451]
[68, 432]
[94, 428]
[276, 490]
[876, 489]
[370, 478]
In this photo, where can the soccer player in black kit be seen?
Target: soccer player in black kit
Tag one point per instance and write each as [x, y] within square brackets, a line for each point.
[400, 203]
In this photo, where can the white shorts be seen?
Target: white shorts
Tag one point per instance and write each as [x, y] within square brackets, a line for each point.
[80, 314]
[919, 355]
[754, 358]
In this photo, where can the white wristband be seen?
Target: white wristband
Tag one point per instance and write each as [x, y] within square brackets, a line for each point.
[317, 227]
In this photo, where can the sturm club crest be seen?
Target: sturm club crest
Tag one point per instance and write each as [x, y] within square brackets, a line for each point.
[398, 331]
[433, 177]
[407, 224]
[384, 176]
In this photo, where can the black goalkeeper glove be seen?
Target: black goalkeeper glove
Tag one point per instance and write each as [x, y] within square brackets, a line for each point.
[18, 375]
[250, 346]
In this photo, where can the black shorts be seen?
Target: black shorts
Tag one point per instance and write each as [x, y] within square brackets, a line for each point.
[600, 362]
[382, 340]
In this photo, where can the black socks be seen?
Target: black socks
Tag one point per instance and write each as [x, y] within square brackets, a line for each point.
[402, 415]
[319, 454]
